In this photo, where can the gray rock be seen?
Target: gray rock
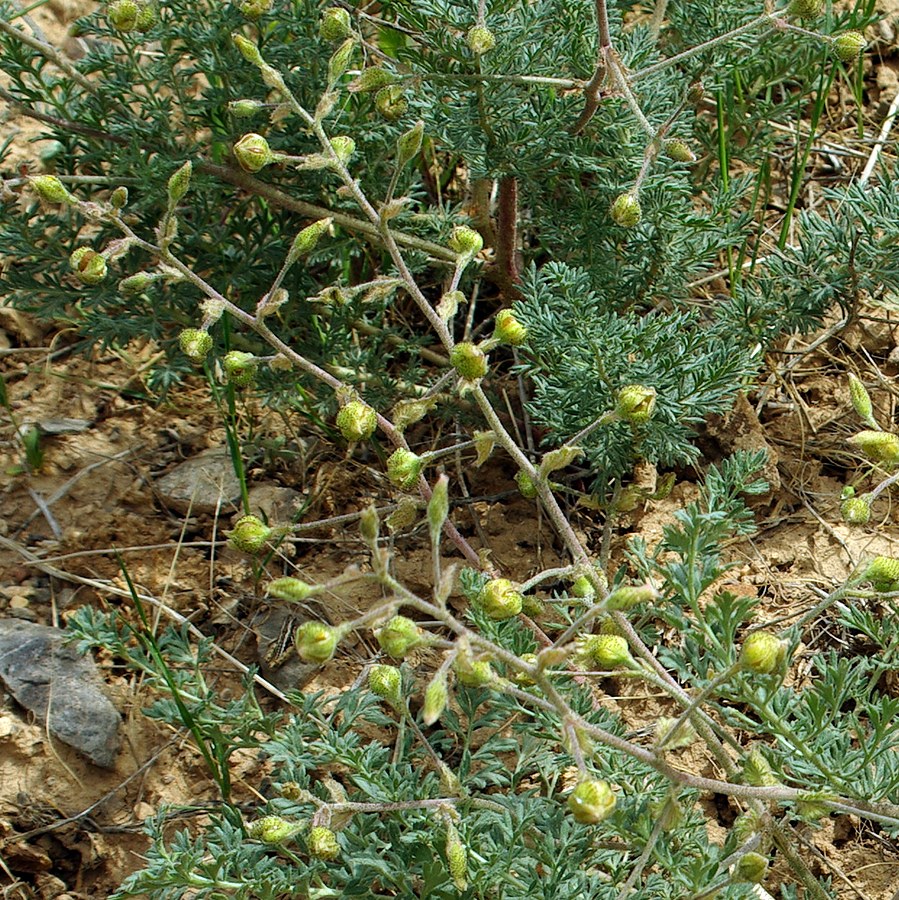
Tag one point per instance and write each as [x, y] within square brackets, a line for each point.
[201, 484]
[41, 672]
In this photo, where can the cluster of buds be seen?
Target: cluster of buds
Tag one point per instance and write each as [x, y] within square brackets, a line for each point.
[255, 9]
[50, 189]
[273, 829]
[883, 573]
[322, 843]
[806, 9]
[508, 330]
[335, 25]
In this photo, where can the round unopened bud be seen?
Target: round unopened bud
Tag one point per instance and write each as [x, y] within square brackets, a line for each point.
[846, 47]
[136, 283]
[626, 211]
[357, 421]
[499, 599]
[582, 588]
[883, 573]
[856, 510]
[335, 25]
[473, 673]
[387, 682]
[294, 590]
[316, 642]
[508, 330]
[480, 40]
[591, 801]
[762, 652]
[751, 867]
[249, 534]
[399, 636]
[243, 109]
[272, 829]
[435, 700]
[372, 79]
[391, 102]
[195, 343]
[403, 468]
[240, 367]
[881, 446]
[526, 486]
[469, 361]
[465, 241]
[50, 189]
[679, 151]
[118, 199]
[344, 146]
[628, 596]
[253, 153]
[254, 9]
[635, 403]
[122, 15]
[322, 843]
[146, 17]
[806, 9]
[90, 266]
[605, 651]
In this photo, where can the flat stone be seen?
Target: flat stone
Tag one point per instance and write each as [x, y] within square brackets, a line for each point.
[41, 673]
[201, 484]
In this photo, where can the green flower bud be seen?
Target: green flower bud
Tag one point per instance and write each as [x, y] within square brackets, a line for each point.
[306, 241]
[499, 599]
[118, 199]
[254, 9]
[316, 642]
[480, 40]
[340, 60]
[136, 283]
[882, 572]
[372, 79]
[847, 46]
[357, 421]
[861, 401]
[344, 147]
[249, 534]
[629, 596]
[679, 151]
[335, 25]
[456, 858]
[473, 673]
[469, 361]
[751, 867]
[636, 403]
[322, 843]
[856, 510]
[90, 266]
[122, 15]
[582, 588]
[50, 189]
[591, 801]
[436, 698]
[526, 486]
[757, 770]
[746, 825]
[409, 143]
[626, 211]
[386, 682]
[294, 590]
[881, 446]
[240, 367]
[605, 651]
[399, 636]
[253, 153]
[391, 102]
[243, 109]
[508, 330]
[806, 9]
[179, 183]
[248, 50]
[195, 343]
[272, 830]
[761, 653]
[403, 469]
[146, 17]
[465, 241]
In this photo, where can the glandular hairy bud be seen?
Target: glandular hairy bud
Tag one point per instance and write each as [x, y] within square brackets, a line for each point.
[757, 770]
[240, 367]
[469, 361]
[386, 682]
[399, 636]
[213, 310]
[248, 50]
[436, 698]
[508, 330]
[605, 651]
[449, 304]
[847, 46]
[626, 211]
[305, 242]
[751, 867]
[409, 143]
[50, 189]
[473, 673]
[628, 596]
[882, 572]
[806, 9]
[403, 469]
[372, 79]
[438, 507]
[679, 151]
[136, 283]
[249, 534]
[316, 642]
[591, 801]
[861, 400]
[294, 590]
[322, 843]
[272, 829]
[582, 588]
[357, 421]
[335, 25]
[391, 102]
[146, 17]
[253, 153]
[881, 446]
[746, 825]
[762, 652]
[118, 199]
[243, 109]
[856, 510]
[88, 265]
[344, 146]
[635, 403]
[122, 15]
[526, 486]
[340, 60]
[456, 857]
[480, 40]
[500, 599]
[405, 514]
[560, 458]
[255, 9]
[195, 343]
[465, 241]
